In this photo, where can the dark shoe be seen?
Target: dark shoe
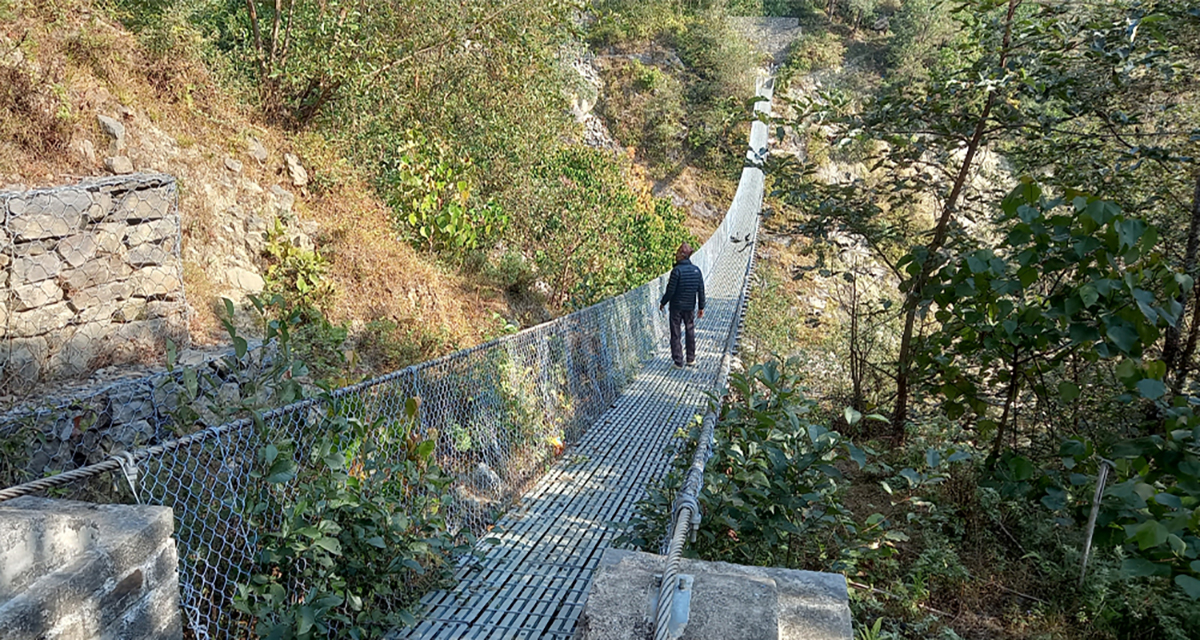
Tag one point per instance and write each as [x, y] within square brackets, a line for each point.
[676, 365]
[691, 363]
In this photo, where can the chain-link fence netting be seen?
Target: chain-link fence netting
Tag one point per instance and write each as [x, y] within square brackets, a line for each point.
[496, 414]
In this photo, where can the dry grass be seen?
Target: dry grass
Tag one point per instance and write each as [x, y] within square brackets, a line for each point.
[63, 62]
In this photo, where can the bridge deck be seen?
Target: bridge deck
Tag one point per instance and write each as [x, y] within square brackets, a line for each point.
[537, 565]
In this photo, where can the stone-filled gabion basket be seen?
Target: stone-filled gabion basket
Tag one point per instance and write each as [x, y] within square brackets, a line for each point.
[92, 277]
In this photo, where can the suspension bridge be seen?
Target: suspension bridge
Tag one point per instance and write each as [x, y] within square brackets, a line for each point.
[599, 377]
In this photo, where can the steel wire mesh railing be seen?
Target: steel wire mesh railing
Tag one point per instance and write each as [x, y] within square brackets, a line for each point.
[496, 413]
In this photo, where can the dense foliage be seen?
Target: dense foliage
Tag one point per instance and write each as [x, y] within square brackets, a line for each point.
[458, 113]
[999, 209]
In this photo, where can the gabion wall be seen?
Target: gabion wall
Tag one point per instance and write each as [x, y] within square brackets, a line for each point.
[92, 277]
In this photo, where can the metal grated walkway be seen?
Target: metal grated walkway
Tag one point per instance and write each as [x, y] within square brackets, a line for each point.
[538, 563]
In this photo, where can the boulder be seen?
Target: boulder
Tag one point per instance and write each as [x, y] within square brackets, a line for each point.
[104, 295]
[258, 151]
[95, 272]
[109, 236]
[146, 255]
[157, 281]
[114, 129]
[119, 165]
[25, 359]
[144, 204]
[77, 354]
[728, 601]
[40, 321]
[152, 231]
[245, 280]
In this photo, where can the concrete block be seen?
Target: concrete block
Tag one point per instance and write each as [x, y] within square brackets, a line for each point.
[731, 602]
[88, 571]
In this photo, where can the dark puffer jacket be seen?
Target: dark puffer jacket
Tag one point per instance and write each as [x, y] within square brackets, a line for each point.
[684, 288]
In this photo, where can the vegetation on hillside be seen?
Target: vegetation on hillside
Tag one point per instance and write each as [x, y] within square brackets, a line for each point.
[994, 217]
[444, 127]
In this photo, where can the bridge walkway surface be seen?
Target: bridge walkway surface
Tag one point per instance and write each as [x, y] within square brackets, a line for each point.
[531, 575]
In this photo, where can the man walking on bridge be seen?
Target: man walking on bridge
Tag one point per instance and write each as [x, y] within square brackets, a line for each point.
[685, 288]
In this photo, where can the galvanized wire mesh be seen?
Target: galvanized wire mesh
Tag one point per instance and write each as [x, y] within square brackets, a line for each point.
[497, 414]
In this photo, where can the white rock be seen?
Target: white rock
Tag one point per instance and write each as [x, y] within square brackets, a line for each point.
[233, 165]
[245, 280]
[295, 170]
[29, 269]
[258, 151]
[32, 296]
[119, 165]
[77, 249]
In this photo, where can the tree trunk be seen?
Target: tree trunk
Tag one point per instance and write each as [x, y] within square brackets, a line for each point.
[258, 46]
[913, 299]
[1009, 401]
[1175, 361]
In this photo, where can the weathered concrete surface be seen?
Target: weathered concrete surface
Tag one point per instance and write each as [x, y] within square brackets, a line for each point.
[730, 602]
[76, 571]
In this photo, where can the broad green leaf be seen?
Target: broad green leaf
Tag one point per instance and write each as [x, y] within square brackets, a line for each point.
[283, 470]
[1190, 586]
[1168, 500]
[1124, 336]
[329, 544]
[1089, 295]
[852, 416]
[1021, 467]
[305, 620]
[425, 449]
[1151, 389]
[1068, 391]
[857, 455]
[1150, 534]
[1178, 546]
[1139, 567]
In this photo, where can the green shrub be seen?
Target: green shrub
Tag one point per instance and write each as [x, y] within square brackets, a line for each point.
[353, 530]
[814, 52]
[771, 489]
[295, 274]
[430, 191]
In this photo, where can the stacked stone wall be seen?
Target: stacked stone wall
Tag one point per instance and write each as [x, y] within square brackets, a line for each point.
[92, 277]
